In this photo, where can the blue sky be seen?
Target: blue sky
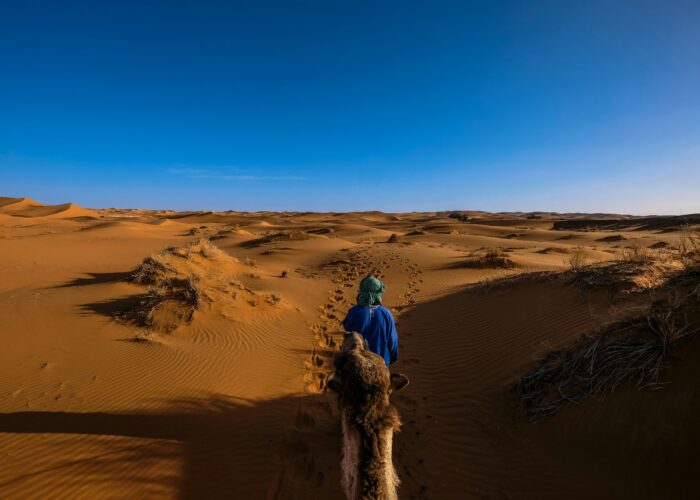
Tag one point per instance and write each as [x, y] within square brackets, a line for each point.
[338, 105]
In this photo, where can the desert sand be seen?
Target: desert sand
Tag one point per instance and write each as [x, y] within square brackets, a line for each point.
[173, 354]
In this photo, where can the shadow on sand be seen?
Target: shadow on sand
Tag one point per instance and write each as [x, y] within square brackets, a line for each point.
[96, 279]
[226, 448]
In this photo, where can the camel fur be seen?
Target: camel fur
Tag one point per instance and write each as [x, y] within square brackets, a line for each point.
[369, 419]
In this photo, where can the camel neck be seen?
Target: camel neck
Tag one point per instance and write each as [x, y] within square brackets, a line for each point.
[368, 469]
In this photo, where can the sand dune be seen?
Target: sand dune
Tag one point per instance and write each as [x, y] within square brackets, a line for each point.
[9, 205]
[26, 207]
[162, 354]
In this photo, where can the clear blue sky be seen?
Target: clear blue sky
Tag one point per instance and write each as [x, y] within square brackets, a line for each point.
[350, 105]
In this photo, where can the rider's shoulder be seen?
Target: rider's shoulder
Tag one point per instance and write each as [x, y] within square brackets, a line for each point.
[384, 310]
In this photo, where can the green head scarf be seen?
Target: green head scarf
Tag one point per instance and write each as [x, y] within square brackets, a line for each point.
[371, 290]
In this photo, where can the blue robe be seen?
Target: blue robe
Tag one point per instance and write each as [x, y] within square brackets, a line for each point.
[376, 324]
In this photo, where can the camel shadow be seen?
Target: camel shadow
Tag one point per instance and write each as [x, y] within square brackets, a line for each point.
[225, 447]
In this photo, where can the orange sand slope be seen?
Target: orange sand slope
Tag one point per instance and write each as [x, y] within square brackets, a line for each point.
[164, 354]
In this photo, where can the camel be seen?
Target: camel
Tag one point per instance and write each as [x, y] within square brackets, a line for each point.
[363, 385]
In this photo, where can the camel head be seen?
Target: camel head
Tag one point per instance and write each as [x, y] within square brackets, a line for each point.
[361, 376]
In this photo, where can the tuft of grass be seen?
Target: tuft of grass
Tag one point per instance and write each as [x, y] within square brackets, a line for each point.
[577, 260]
[637, 254]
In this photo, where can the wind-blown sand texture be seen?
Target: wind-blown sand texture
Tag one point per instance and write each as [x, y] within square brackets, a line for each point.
[203, 375]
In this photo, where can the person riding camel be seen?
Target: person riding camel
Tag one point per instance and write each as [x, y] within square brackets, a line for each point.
[373, 321]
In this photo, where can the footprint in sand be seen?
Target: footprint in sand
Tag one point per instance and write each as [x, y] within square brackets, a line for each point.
[328, 341]
[315, 382]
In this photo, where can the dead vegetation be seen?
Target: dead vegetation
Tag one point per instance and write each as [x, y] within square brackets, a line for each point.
[688, 246]
[624, 276]
[635, 348]
[638, 268]
[180, 282]
[276, 237]
[491, 258]
[321, 230]
[548, 250]
[637, 254]
[609, 239]
[629, 351]
[226, 231]
[578, 259]
[198, 231]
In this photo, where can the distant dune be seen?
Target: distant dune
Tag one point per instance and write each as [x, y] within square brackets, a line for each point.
[26, 207]
[610, 224]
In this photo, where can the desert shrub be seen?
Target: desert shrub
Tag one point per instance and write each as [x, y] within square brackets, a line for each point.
[174, 278]
[688, 247]
[459, 216]
[492, 258]
[609, 239]
[578, 259]
[279, 236]
[629, 351]
[273, 299]
[548, 250]
[637, 254]
[192, 292]
[150, 270]
[285, 274]
[155, 268]
[321, 230]
[250, 262]
[209, 250]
